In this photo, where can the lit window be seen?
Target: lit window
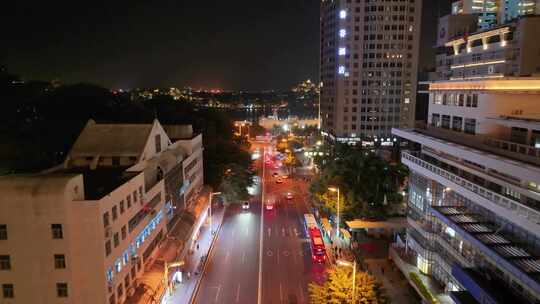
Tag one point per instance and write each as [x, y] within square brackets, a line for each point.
[343, 14]
[342, 33]
[342, 51]
[407, 100]
[341, 69]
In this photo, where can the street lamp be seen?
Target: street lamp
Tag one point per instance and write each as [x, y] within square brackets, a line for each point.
[336, 189]
[166, 273]
[353, 265]
[212, 195]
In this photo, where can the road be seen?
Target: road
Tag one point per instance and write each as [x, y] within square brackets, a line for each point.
[234, 272]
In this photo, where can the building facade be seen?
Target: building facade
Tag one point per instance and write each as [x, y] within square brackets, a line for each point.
[369, 59]
[95, 222]
[509, 50]
[490, 13]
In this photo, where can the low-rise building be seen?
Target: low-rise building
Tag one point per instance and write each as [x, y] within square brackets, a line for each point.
[84, 232]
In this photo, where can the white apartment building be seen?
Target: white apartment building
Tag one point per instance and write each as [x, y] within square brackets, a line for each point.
[489, 13]
[369, 61]
[84, 232]
[507, 50]
[474, 199]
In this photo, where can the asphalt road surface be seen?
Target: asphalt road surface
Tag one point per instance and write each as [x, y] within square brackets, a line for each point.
[234, 273]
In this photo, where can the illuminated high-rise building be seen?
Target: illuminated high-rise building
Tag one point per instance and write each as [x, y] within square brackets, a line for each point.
[494, 12]
[369, 60]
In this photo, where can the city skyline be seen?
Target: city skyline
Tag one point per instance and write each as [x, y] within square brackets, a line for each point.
[227, 46]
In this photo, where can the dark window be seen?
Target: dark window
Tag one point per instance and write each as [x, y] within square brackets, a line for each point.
[135, 196]
[107, 248]
[7, 290]
[106, 219]
[116, 161]
[124, 232]
[445, 123]
[59, 261]
[57, 232]
[5, 262]
[128, 199]
[126, 281]
[120, 290]
[3, 232]
[121, 207]
[457, 123]
[158, 143]
[62, 290]
[116, 240]
[114, 212]
[470, 126]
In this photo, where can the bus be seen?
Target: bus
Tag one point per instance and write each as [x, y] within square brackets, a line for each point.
[318, 250]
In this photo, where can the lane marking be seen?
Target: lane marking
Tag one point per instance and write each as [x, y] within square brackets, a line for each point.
[227, 256]
[280, 293]
[269, 231]
[247, 231]
[243, 257]
[261, 239]
[277, 255]
[282, 231]
[238, 293]
[217, 293]
[232, 233]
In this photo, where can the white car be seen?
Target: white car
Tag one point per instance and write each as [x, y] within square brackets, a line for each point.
[289, 195]
[245, 205]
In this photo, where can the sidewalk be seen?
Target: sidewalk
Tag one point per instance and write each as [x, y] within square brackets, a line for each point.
[181, 237]
[182, 292]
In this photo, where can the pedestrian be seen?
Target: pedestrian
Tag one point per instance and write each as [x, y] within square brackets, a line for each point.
[188, 274]
[197, 246]
[382, 270]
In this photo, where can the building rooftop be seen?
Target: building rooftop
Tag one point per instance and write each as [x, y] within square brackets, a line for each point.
[111, 140]
[100, 182]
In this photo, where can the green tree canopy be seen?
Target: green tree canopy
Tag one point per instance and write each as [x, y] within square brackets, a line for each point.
[364, 180]
[338, 288]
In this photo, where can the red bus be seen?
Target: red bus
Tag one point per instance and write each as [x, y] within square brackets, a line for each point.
[318, 250]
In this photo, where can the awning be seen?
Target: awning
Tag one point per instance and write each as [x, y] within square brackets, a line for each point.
[391, 223]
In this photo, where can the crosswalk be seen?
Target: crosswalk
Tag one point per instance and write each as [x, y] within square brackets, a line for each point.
[284, 232]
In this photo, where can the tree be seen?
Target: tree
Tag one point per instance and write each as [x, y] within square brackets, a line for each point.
[364, 180]
[337, 289]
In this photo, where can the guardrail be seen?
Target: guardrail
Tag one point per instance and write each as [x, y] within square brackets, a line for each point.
[530, 214]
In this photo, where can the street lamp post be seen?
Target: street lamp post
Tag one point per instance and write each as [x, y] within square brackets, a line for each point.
[353, 265]
[212, 195]
[336, 189]
[166, 273]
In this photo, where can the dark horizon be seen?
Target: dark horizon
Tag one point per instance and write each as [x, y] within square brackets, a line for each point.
[125, 45]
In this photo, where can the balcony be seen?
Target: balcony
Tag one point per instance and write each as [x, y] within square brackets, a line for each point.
[483, 287]
[509, 257]
[505, 207]
[485, 143]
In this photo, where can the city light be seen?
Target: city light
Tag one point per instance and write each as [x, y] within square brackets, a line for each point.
[341, 70]
[343, 14]
[342, 33]
[342, 51]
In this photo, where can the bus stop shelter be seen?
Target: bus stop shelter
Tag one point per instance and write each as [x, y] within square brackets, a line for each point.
[377, 228]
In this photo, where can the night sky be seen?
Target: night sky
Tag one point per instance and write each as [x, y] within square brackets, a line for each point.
[234, 44]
